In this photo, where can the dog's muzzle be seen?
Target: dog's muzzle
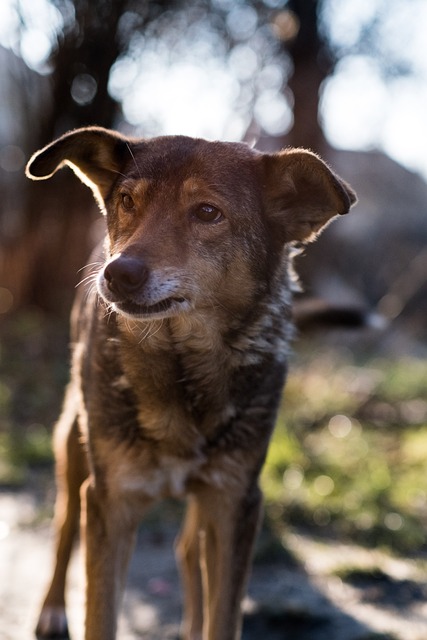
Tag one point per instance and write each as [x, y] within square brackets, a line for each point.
[124, 284]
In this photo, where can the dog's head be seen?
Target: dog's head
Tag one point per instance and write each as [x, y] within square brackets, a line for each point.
[192, 223]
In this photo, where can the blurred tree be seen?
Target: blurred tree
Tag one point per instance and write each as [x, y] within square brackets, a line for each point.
[279, 50]
[55, 246]
[312, 63]
[38, 262]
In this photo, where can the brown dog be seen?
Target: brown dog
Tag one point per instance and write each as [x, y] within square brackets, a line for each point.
[179, 358]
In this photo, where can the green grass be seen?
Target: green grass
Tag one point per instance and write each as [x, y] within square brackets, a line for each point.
[33, 372]
[349, 454]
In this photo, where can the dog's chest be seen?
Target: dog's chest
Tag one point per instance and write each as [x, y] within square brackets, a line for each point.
[180, 395]
[168, 478]
[175, 425]
[171, 476]
[197, 406]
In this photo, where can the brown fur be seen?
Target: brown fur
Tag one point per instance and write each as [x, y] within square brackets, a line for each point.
[179, 358]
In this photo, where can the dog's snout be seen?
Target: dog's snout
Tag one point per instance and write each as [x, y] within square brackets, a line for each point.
[125, 275]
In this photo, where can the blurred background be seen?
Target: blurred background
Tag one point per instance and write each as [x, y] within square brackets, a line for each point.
[345, 78]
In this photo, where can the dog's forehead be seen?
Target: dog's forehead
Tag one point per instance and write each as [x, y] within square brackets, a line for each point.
[182, 158]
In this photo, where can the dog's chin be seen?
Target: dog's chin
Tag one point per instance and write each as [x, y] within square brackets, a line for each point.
[166, 308]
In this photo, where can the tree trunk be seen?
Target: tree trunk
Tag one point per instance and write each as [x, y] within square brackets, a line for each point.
[312, 64]
[39, 264]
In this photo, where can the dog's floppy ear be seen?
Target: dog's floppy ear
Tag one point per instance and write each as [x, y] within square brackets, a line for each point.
[302, 193]
[95, 155]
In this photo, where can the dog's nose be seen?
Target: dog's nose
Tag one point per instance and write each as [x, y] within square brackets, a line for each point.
[125, 275]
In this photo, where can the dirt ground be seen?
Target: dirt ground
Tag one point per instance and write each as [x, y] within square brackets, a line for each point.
[300, 597]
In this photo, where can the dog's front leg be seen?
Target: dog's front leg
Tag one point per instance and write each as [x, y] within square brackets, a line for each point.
[188, 553]
[109, 538]
[228, 526]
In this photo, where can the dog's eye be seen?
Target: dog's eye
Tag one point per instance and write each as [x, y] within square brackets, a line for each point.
[207, 213]
[127, 201]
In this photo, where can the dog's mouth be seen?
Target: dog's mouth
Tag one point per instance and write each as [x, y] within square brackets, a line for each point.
[162, 309]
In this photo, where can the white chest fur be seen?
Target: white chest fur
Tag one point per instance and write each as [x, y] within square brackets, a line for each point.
[168, 478]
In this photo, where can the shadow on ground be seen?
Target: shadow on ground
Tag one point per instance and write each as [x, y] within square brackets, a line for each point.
[299, 594]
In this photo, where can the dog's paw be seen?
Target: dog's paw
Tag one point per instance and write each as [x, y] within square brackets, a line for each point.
[52, 624]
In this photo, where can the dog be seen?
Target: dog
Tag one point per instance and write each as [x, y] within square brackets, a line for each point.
[179, 357]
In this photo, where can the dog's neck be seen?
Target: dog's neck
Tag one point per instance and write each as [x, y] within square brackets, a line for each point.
[190, 351]
[187, 373]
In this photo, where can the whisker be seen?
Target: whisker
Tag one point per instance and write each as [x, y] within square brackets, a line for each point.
[216, 302]
[119, 173]
[144, 334]
[90, 278]
[89, 291]
[90, 264]
[108, 311]
[153, 333]
[134, 159]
